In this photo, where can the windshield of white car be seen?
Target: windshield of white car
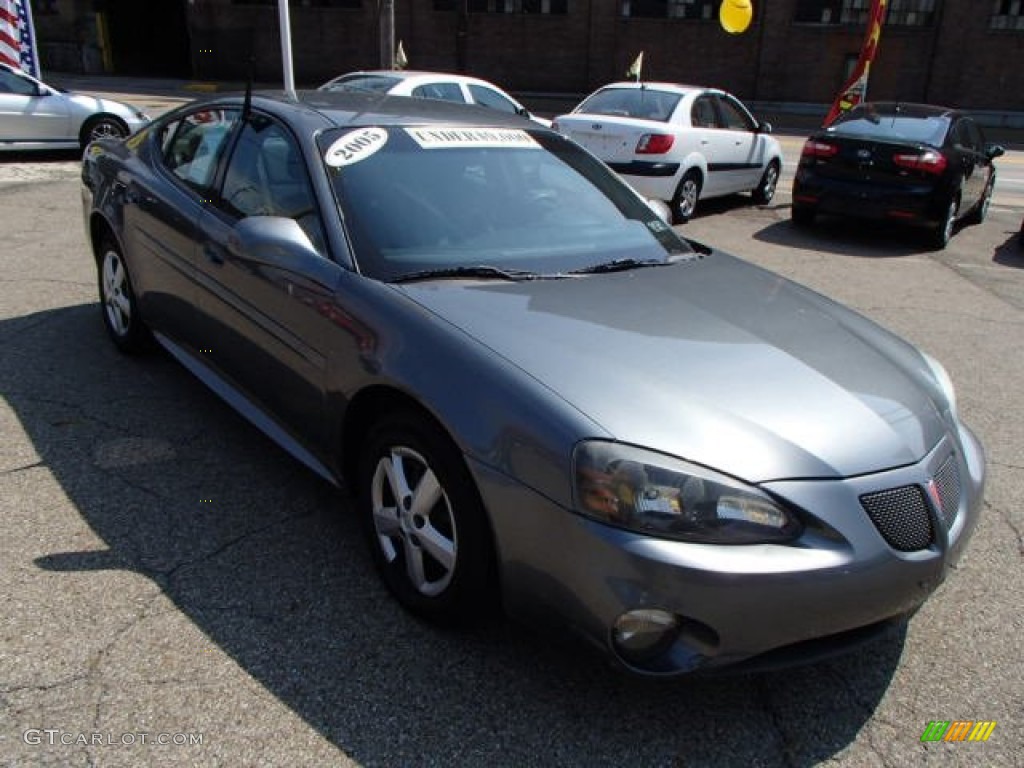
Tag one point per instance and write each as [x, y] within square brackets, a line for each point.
[432, 199]
[638, 103]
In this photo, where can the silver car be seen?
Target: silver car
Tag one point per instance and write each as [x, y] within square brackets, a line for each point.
[34, 115]
[540, 396]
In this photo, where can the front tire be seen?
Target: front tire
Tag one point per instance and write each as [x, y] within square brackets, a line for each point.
[765, 191]
[119, 308]
[980, 211]
[942, 234]
[424, 521]
[685, 201]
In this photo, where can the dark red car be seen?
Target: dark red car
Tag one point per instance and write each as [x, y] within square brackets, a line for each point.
[915, 163]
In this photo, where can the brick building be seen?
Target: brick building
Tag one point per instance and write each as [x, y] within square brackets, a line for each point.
[968, 53]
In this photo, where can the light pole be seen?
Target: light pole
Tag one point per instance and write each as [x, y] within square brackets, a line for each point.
[387, 33]
[286, 46]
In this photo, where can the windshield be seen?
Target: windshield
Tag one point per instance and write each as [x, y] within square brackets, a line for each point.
[433, 199]
[364, 83]
[640, 103]
[872, 125]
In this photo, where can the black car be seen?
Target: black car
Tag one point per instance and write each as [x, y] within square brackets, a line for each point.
[915, 163]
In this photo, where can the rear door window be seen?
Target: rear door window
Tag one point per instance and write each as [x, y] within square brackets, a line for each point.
[488, 97]
[192, 147]
[441, 91]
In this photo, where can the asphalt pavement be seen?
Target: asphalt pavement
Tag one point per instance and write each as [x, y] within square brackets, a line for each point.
[178, 591]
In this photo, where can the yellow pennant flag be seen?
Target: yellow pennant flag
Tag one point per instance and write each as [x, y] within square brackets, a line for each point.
[401, 60]
[635, 67]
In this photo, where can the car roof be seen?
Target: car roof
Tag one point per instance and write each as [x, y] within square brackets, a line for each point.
[680, 88]
[414, 74]
[908, 109]
[316, 110]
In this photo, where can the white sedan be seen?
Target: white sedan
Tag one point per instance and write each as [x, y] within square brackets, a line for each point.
[677, 143]
[445, 86]
[34, 115]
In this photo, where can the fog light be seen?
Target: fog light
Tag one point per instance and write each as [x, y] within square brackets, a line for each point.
[644, 634]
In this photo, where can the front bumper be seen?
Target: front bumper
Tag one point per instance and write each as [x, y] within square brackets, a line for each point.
[733, 603]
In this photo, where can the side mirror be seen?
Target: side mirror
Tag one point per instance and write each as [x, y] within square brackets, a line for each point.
[992, 151]
[276, 240]
[279, 244]
[764, 127]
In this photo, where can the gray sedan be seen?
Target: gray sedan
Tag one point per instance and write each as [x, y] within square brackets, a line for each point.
[541, 396]
[34, 115]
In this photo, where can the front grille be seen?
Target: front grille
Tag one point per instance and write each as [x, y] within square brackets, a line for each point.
[947, 484]
[901, 516]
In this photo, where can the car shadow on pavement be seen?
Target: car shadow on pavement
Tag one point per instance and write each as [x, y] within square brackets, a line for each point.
[263, 557]
[849, 237]
[1011, 252]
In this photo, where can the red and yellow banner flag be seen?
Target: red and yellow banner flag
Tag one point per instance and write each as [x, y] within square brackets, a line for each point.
[856, 87]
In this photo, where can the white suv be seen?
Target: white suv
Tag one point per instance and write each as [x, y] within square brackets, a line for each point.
[677, 143]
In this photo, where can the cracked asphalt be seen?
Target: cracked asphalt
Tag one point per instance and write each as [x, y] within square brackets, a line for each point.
[168, 572]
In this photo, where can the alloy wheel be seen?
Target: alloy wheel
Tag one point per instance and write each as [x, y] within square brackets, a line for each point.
[413, 520]
[116, 301]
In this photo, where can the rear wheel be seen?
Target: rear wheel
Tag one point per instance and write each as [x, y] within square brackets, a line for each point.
[424, 521]
[102, 127]
[117, 301]
[765, 191]
[685, 202]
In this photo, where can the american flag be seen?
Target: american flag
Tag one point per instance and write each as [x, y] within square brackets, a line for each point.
[18, 36]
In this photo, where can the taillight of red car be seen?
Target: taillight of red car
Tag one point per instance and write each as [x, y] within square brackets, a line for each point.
[655, 143]
[929, 161]
[819, 149]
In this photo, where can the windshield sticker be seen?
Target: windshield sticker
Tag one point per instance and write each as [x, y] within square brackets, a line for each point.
[355, 146]
[447, 137]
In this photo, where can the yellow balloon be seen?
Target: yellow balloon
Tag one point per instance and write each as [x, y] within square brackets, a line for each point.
[735, 15]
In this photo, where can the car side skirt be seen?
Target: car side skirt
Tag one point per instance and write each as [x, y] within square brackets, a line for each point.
[246, 408]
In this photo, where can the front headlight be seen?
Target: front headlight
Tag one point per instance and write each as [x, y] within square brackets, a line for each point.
[665, 497]
[942, 378]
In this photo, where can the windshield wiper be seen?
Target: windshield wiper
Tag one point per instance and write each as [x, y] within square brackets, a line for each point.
[619, 265]
[479, 270]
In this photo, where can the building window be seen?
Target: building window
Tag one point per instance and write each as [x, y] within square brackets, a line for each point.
[546, 7]
[912, 13]
[671, 9]
[305, 3]
[1008, 14]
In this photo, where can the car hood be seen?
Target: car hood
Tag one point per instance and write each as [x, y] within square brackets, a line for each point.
[711, 360]
[85, 106]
